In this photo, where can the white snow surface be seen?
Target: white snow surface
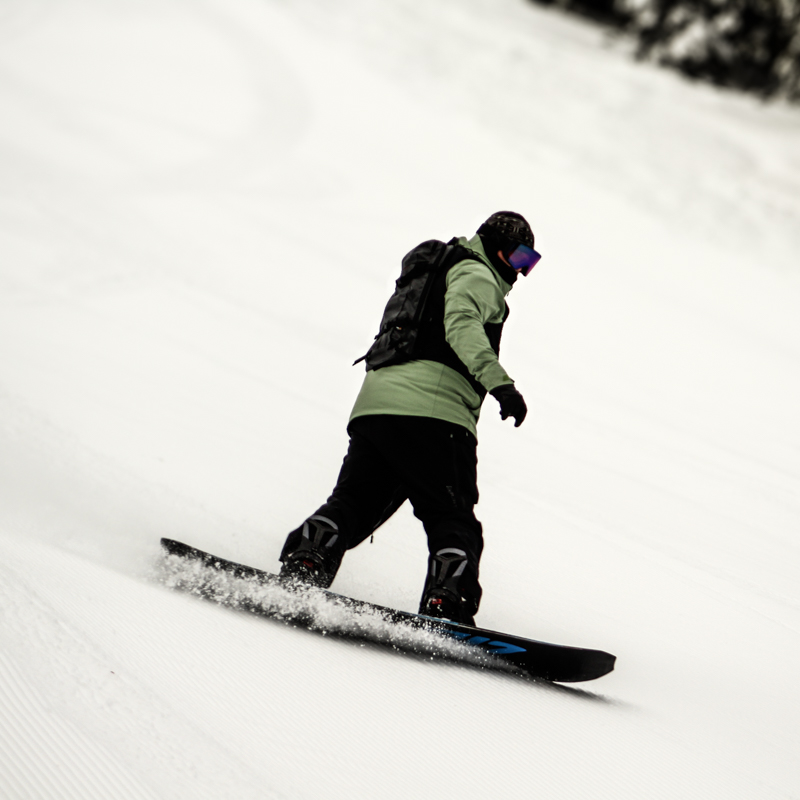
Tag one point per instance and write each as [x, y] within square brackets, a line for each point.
[203, 206]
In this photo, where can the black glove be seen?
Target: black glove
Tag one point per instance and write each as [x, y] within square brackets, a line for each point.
[511, 403]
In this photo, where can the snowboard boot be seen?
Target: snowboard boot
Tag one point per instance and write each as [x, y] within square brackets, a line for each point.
[313, 553]
[442, 598]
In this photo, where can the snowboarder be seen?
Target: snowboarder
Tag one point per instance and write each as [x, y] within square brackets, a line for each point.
[413, 427]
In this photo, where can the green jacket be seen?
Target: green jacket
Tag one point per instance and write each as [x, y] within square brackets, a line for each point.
[475, 296]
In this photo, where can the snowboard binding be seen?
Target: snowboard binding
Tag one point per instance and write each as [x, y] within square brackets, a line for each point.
[313, 557]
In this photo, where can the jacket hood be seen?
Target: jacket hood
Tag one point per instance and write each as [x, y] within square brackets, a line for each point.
[505, 274]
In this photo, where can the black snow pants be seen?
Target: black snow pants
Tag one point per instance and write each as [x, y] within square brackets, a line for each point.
[431, 463]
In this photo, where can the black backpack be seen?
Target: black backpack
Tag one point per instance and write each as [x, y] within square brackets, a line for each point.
[398, 337]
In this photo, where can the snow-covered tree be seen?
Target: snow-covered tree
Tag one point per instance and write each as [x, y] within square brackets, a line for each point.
[753, 45]
[747, 44]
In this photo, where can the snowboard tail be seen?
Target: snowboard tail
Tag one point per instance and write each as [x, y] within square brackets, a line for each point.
[328, 612]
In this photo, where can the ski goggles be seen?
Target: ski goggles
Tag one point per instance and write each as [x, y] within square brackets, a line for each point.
[524, 259]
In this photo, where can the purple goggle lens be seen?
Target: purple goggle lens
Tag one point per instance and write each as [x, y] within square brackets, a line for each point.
[524, 259]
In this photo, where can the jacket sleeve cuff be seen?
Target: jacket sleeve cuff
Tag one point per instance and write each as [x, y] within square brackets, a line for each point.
[494, 377]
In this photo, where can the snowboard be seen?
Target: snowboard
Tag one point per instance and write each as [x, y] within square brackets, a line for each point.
[266, 594]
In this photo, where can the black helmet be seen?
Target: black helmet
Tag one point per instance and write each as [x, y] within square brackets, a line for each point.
[507, 229]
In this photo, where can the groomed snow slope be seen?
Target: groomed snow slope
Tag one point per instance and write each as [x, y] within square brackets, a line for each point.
[202, 208]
